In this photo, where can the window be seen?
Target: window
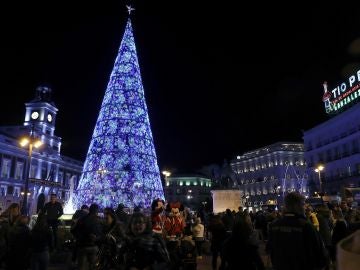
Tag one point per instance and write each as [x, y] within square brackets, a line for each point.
[355, 146]
[43, 171]
[358, 168]
[33, 170]
[311, 160]
[328, 155]
[321, 157]
[337, 153]
[19, 170]
[60, 176]
[17, 192]
[51, 174]
[345, 150]
[10, 190]
[5, 169]
[67, 179]
[309, 146]
[3, 191]
[339, 172]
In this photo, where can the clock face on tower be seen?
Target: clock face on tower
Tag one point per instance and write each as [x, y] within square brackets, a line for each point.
[34, 115]
[49, 117]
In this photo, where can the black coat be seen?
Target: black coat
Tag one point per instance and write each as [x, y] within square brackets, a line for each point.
[88, 231]
[241, 254]
[295, 244]
[53, 210]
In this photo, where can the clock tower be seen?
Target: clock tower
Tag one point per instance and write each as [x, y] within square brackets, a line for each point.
[41, 115]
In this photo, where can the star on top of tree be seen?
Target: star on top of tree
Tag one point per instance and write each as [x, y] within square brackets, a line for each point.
[130, 8]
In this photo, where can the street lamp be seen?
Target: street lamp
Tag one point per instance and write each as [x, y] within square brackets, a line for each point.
[31, 142]
[318, 169]
[166, 174]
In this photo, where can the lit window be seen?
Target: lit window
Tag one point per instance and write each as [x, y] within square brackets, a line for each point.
[5, 169]
[19, 170]
[17, 192]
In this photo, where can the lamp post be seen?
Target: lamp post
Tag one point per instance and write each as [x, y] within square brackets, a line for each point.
[31, 142]
[166, 175]
[318, 169]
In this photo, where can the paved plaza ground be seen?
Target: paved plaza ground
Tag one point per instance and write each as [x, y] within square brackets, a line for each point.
[202, 264]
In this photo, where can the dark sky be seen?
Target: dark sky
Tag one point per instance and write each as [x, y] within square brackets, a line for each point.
[219, 78]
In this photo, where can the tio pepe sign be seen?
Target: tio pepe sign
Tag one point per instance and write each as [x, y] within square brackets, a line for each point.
[342, 95]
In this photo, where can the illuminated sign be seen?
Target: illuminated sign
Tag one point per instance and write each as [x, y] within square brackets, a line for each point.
[344, 94]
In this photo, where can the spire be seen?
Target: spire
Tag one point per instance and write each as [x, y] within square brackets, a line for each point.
[121, 163]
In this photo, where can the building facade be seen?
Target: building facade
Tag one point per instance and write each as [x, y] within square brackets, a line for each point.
[334, 145]
[48, 170]
[191, 190]
[266, 174]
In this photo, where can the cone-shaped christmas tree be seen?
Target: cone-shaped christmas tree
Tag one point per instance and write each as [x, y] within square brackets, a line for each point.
[121, 164]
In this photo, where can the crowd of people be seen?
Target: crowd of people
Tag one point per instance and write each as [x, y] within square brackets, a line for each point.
[22, 247]
[301, 236]
[170, 236]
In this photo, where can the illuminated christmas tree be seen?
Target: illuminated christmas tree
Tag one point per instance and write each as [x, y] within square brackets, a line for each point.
[121, 164]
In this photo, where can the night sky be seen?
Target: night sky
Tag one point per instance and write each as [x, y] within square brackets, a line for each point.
[220, 78]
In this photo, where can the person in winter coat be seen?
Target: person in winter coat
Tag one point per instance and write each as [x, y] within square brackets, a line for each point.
[218, 235]
[111, 248]
[42, 243]
[240, 251]
[88, 233]
[340, 231]
[294, 243]
[143, 249]
[7, 220]
[18, 237]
